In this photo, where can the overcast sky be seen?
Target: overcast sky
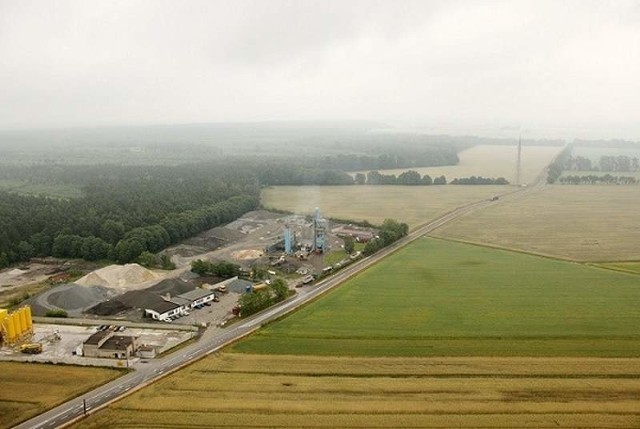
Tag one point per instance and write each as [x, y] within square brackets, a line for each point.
[462, 63]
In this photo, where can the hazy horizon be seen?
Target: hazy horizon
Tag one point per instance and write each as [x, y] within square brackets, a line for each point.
[543, 69]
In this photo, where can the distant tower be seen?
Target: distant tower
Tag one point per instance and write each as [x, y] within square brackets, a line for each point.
[319, 232]
[519, 161]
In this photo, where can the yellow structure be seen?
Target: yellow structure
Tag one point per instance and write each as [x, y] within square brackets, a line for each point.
[16, 325]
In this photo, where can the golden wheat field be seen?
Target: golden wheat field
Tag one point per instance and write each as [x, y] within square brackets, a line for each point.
[493, 161]
[28, 389]
[583, 223]
[240, 391]
[414, 205]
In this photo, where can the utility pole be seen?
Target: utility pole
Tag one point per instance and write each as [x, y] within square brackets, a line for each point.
[519, 161]
[84, 406]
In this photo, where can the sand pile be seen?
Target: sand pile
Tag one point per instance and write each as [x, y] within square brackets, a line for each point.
[118, 276]
[244, 255]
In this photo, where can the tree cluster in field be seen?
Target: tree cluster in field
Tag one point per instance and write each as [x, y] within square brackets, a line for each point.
[222, 269]
[593, 179]
[479, 180]
[410, 178]
[620, 163]
[255, 301]
[390, 231]
[565, 161]
[151, 260]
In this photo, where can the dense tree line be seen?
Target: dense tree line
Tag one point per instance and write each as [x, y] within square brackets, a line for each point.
[479, 180]
[607, 163]
[125, 211]
[410, 178]
[390, 231]
[593, 179]
[418, 157]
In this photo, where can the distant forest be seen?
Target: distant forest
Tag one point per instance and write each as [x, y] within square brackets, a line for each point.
[123, 211]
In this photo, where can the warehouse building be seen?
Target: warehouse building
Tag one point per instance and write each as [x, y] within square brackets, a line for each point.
[105, 344]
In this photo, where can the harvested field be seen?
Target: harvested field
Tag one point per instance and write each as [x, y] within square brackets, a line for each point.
[119, 276]
[440, 298]
[29, 389]
[493, 161]
[414, 205]
[583, 223]
[232, 390]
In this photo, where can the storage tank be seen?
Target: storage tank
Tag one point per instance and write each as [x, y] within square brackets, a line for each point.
[22, 320]
[27, 313]
[11, 328]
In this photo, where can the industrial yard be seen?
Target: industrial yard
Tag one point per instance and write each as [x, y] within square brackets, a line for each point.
[124, 312]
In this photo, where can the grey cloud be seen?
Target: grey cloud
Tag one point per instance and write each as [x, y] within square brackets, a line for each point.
[537, 63]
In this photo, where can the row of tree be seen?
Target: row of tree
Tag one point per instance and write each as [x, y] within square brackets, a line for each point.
[390, 231]
[479, 180]
[620, 163]
[411, 178]
[593, 179]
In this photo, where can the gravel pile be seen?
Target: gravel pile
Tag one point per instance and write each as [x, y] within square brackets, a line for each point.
[77, 298]
[72, 298]
[118, 276]
[171, 286]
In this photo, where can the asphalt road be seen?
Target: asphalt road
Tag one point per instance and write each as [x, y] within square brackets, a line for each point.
[215, 339]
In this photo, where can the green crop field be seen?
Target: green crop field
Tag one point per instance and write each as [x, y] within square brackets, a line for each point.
[414, 205]
[440, 298]
[493, 161]
[584, 223]
[28, 389]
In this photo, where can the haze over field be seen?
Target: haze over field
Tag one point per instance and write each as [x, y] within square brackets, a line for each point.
[543, 68]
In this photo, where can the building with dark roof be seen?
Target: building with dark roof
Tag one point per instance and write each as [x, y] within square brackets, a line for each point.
[161, 309]
[105, 344]
[198, 296]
